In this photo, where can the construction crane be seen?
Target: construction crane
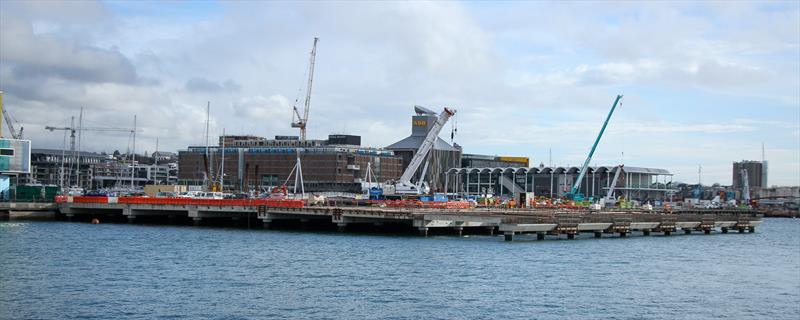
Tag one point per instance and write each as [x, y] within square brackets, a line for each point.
[610, 195]
[404, 185]
[575, 194]
[299, 121]
[745, 187]
[72, 130]
[14, 133]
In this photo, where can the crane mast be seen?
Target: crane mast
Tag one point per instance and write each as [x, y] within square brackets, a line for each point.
[299, 121]
[404, 184]
[576, 186]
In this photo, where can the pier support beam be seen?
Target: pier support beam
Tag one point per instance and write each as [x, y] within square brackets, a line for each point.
[646, 232]
[540, 235]
[571, 236]
[131, 219]
[598, 234]
[197, 221]
[69, 217]
[752, 229]
[741, 230]
[707, 231]
[423, 231]
[509, 235]
[341, 226]
[724, 229]
[687, 231]
[491, 231]
[460, 231]
[623, 234]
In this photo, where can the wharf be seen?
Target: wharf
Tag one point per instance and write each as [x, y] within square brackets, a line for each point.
[509, 222]
[36, 210]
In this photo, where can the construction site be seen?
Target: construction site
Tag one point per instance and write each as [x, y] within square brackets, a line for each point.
[420, 181]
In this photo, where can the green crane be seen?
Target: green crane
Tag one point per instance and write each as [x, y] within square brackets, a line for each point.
[575, 194]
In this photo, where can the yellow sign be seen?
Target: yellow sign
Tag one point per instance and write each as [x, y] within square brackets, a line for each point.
[419, 123]
[515, 159]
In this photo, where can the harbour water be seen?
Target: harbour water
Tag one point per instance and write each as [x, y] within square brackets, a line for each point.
[58, 270]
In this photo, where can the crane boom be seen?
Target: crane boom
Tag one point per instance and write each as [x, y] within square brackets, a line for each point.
[302, 120]
[404, 183]
[14, 133]
[745, 186]
[576, 186]
[10, 125]
[610, 194]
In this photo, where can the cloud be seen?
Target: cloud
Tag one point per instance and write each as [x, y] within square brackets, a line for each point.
[540, 77]
[263, 108]
[204, 85]
[29, 55]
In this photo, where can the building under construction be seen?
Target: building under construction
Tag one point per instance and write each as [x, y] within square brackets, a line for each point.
[256, 163]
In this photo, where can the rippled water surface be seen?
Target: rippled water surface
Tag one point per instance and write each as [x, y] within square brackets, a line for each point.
[57, 270]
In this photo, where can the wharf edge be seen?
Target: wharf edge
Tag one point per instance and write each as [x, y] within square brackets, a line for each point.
[509, 222]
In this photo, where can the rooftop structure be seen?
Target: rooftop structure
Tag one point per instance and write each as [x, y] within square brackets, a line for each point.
[634, 182]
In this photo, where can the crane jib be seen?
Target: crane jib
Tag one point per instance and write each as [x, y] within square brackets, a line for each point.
[426, 145]
[585, 166]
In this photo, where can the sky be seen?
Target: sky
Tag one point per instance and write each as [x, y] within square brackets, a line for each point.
[704, 83]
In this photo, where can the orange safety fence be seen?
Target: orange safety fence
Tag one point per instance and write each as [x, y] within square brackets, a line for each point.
[424, 204]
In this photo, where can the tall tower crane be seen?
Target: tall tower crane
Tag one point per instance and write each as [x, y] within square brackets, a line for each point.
[72, 130]
[14, 133]
[300, 121]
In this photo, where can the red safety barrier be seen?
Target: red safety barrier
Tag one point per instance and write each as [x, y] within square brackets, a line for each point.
[90, 199]
[282, 203]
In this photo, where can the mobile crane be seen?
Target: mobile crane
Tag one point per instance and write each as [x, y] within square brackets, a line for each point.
[404, 184]
[575, 193]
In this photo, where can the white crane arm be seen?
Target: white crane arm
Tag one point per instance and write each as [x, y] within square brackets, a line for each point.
[10, 125]
[426, 145]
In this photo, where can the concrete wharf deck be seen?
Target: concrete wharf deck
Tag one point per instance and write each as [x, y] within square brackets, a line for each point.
[509, 222]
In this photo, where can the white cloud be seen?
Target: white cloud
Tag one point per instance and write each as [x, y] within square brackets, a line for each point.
[539, 76]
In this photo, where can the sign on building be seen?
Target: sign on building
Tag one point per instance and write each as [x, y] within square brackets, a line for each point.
[15, 156]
